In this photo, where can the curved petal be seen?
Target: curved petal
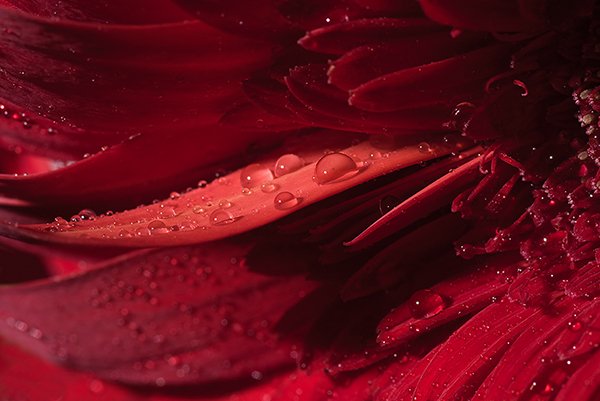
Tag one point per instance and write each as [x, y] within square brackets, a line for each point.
[224, 208]
[187, 315]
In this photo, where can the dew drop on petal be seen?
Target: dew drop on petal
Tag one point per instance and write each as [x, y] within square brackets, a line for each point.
[222, 217]
[424, 147]
[334, 167]
[167, 212]
[225, 204]
[202, 184]
[425, 303]
[157, 227]
[197, 209]
[387, 203]
[287, 164]
[286, 200]
[254, 174]
[269, 187]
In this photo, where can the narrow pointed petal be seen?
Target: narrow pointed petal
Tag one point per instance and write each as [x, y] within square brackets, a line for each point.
[424, 202]
[339, 38]
[224, 208]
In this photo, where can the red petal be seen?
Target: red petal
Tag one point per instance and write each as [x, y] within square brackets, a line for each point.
[155, 165]
[421, 204]
[371, 61]
[429, 84]
[308, 84]
[189, 219]
[189, 315]
[466, 294]
[339, 38]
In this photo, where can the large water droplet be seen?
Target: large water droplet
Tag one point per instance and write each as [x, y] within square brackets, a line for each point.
[461, 116]
[286, 200]
[158, 227]
[255, 174]
[334, 167]
[221, 217]
[288, 164]
[425, 303]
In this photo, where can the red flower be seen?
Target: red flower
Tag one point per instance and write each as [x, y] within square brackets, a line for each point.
[393, 200]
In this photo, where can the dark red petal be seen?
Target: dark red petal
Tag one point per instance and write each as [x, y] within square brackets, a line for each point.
[421, 204]
[429, 84]
[485, 283]
[523, 368]
[135, 12]
[371, 61]
[123, 78]
[156, 164]
[21, 370]
[189, 315]
[339, 38]
[487, 15]
[308, 84]
[460, 363]
[584, 383]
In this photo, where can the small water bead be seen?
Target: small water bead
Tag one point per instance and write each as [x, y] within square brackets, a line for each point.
[174, 195]
[287, 164]
[197, 209]
[85, 214]
[222, 217]
[425, 304]
[254, 175]
[334, 167]
[167, 212]
[202, 184]
[225, 204]
[387, 203]
[246, 191]
[286, 200]
[158, 227]
[424, 147]
[269, 187]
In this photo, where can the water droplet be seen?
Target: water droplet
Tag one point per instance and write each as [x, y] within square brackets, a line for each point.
[575, 325]
[461, 115]
[225, 204]
[334, 167]
[221, 217]
[255, 174]
[287, 164]
[96, 386]
[202, 184]
[157, 227]
[247, 191]
[174, 195]
[387, 203]
[286, 200]
[269, 187]
[124, 233]
[424, 147]
[425, 303]
[167, 212]
[85, 214]
[197, 209]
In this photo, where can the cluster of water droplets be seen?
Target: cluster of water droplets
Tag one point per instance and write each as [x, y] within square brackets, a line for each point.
[199, 212]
